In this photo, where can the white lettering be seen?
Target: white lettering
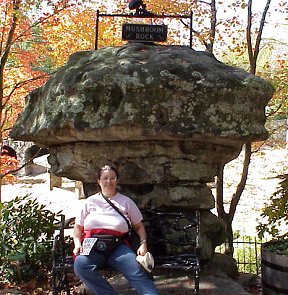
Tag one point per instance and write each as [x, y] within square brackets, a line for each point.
[142, 36]
[144, 29]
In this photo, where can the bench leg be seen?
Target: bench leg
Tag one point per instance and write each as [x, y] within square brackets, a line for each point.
[197, 282]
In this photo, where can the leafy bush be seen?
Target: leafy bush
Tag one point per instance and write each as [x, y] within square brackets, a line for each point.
[276, 213]
[26, 239]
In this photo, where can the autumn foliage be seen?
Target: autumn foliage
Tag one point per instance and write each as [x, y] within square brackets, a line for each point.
[8, 164]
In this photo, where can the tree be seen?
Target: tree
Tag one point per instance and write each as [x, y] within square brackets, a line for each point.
[35, 39]
[253, 53]
[18, 70]
[69, 31]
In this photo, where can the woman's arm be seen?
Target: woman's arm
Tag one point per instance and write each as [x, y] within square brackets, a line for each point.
[141, 232]
[77, 235]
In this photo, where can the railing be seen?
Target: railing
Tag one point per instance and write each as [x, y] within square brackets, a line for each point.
[247, 251]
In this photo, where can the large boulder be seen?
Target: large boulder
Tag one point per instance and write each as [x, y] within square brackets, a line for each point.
[144, 92]
[167, 117]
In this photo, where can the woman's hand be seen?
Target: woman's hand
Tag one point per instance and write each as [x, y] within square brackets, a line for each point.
[77, 250]
[140, 230]
[78, 230]
[143, 249]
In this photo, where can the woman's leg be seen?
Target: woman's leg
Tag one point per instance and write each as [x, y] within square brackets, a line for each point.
[87, 268]
[124, 260]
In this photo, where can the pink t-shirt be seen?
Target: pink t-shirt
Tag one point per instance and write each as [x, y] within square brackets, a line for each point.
[97, 213]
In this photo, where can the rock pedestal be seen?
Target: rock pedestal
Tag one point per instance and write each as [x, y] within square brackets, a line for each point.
[166, 116]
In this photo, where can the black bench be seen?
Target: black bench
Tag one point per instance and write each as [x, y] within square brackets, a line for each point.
[173, 239]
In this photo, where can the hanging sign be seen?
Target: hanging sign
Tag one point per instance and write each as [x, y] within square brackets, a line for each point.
[143, 32]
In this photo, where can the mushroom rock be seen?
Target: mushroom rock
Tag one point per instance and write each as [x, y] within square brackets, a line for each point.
[166, 116]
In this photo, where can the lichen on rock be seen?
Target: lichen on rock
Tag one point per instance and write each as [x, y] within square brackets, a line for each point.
[166, 92]
[166, 116]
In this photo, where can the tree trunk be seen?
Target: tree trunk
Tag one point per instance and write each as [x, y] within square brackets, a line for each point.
[3, 61]
[228, 217]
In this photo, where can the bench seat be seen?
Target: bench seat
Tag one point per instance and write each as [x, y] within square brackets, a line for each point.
[173, 239]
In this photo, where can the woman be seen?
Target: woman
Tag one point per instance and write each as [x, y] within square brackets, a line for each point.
[97, 216]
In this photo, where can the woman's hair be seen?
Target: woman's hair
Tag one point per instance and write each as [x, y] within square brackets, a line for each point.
[107, 168]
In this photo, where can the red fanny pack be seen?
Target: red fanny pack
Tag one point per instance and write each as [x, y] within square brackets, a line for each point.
[89, 233]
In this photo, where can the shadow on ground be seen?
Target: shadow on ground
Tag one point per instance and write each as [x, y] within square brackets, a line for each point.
[182, 284]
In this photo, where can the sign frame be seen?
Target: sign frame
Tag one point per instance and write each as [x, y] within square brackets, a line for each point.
[149, 15]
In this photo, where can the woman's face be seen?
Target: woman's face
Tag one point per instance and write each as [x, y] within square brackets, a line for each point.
[108, 182]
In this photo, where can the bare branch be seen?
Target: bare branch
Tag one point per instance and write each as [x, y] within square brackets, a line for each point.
[9, 42]
[4, 118]
[41, 21]
[241, 185]
[248, 33]
[21, 167]
[259, 148]
[213, 25]
[3, 29]
[219, 192]
[261, 26]
[21, 84]
[276, 111]
[253, 54]
[201, 39]
[202, 1]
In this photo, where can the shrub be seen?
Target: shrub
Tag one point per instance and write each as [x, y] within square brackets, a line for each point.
[26, 239]
[276, 213]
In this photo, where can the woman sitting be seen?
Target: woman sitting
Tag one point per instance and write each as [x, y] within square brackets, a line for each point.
[97, 218]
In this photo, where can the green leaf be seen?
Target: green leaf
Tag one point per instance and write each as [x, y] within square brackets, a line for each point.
[17, 257]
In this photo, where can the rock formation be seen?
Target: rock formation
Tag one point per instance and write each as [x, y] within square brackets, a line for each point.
[166, 116]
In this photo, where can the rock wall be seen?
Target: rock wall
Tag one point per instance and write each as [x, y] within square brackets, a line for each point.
[166, 116]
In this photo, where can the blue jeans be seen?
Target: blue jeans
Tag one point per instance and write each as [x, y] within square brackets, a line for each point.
[123, 259]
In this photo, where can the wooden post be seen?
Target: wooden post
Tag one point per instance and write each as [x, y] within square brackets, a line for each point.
[55, 181]
[79, 191]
